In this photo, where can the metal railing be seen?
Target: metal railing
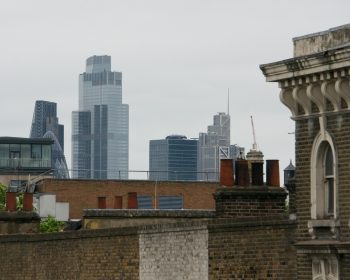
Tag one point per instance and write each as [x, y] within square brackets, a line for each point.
[154, 175]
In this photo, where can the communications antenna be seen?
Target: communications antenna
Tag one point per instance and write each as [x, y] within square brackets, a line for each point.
[255, 145]
[228, 101]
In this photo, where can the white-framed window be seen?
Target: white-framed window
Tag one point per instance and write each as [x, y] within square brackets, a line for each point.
[325, 268]
[328, 177]
[323, 178]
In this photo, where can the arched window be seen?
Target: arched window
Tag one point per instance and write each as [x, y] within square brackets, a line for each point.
[323, 179]
[328, 177]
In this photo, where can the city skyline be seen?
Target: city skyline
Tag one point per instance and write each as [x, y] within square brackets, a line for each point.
[100, 128]
[177, 57]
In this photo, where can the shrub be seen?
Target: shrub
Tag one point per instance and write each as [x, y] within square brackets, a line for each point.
[51, 225]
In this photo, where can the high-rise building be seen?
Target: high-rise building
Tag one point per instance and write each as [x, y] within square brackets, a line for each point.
[45, 125]
[215, 145]
[173, 158]
[100, 128]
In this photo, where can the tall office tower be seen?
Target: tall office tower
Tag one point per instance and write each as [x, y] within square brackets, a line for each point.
[173, 158]
[215, 145]
[45, 125]
[100, 129]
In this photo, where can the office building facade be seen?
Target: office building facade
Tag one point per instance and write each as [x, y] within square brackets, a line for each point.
[173, 158]
[100, 128]
[24, 160]
[45, 125]
[215, 145]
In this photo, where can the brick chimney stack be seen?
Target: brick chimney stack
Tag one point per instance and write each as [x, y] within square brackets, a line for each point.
[250, 197]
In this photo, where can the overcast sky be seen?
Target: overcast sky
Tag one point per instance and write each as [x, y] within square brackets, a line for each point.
[178, 59]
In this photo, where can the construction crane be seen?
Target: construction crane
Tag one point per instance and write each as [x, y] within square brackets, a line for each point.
[255, 145]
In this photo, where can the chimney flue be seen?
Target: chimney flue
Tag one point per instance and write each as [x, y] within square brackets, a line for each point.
[257, 173]
[242, 173]
[11, 201]
[272, 173]
[226, 172]
[28, 202]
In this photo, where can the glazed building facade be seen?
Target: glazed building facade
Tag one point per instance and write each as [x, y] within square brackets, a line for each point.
[100, 128]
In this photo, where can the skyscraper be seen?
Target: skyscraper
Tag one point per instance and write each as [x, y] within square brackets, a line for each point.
[45, 125]
[173, 158]
[215, 145]
[100, 129]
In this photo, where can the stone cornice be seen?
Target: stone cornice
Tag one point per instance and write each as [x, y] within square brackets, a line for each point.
[330, 60]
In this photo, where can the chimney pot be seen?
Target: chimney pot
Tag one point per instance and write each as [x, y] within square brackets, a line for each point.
[242, 173]
[226, 172]
[28, 202]
[257, 173]
[272, 173]
[11, 201]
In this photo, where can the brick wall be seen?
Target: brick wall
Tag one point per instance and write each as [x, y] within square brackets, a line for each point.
[224, 249]
[339, 127]
[88, 255]
[113, 218]
[239, 202]
[305, 132]
[170, 253]
[82, 194]
[252, 250]
[153, 252]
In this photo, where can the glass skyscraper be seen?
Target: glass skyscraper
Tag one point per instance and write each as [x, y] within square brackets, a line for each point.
[100, 129]
[45, 125]
[173, 158]
[215, 145]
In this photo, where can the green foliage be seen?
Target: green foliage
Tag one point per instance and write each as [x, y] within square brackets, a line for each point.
[3, 189]
[51, 225]
[19, 202]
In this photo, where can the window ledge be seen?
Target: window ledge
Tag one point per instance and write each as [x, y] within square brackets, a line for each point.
[324, 228]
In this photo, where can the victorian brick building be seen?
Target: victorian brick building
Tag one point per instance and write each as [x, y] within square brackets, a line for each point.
[315, 87]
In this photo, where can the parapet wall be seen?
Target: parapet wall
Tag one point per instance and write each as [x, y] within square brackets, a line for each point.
[19, 222]
[118, 218]
[88, 255]
[225, 249]
[322, 41]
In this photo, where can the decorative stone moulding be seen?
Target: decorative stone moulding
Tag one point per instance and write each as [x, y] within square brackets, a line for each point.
[317, 94]
[324, 229]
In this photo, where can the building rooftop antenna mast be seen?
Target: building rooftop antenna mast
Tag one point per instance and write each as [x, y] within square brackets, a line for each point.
[228, 101]
[255, 145]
